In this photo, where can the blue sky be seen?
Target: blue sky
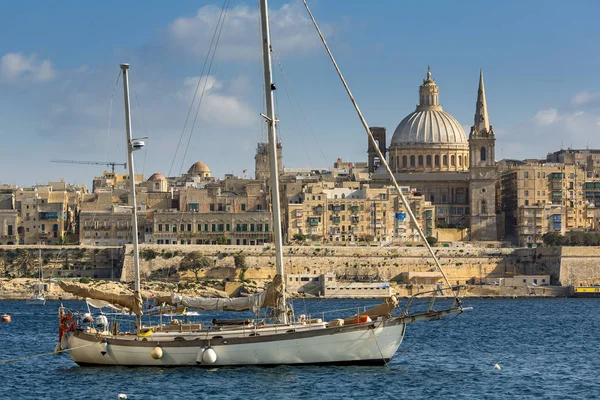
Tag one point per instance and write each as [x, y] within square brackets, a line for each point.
[59, 62]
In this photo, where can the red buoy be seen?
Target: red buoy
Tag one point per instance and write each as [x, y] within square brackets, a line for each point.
[5, 318]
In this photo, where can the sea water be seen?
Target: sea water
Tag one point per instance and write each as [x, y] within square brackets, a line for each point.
[546, 348]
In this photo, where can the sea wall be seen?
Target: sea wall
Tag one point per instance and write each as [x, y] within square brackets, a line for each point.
[462, 265]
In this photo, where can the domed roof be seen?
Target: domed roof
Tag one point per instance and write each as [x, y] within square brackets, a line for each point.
[429, 124]
[428, 127]
[157, 177]
[198, 168]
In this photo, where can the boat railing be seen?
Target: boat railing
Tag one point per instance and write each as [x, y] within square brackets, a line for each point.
[342, 311]
[433, 295]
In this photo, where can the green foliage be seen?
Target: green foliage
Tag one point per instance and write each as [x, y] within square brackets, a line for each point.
[431, 240]
[554, 239]
[221, 240]
[195, 262]
[148, 254]
[84, 280]
[299, 237]
[239, 260]
[366, 238]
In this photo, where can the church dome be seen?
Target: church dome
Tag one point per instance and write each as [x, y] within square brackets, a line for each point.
[429, 124]
[156, 177]
[199, 168]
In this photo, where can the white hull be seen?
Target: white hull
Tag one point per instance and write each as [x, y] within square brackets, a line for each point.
[370, 343]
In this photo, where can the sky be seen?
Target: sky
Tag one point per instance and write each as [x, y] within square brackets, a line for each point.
[61, 96]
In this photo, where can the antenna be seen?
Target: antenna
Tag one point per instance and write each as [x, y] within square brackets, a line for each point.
[111, 164]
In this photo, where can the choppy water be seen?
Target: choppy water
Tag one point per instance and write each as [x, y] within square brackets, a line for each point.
[547, 348]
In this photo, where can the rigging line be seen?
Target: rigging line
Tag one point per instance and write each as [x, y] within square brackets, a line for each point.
[379, 348]
[298, 128]
[446, 321]
[44, 354]
[287, 82]
[381, 157]
[197, 86]
[204, 86]
[144, 126]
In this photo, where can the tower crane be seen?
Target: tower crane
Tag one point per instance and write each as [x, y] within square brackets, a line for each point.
[111, 164]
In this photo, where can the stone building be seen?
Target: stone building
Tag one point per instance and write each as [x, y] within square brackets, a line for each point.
[548, 197]
[353, 214]
[429, 151]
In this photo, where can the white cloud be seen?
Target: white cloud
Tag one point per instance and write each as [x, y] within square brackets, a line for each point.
[584, 98]
[546, 117]
[217, 106]
[15, 67]
[291, 32]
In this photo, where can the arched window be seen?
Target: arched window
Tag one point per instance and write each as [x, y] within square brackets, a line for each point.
[482, 155]
[397, 162]
[483, 207]
[437, 161]
[404, 162]
[412, 161]
[420, 161]
[428, 161]
[445, 160]
[460, 161]
[452, 160]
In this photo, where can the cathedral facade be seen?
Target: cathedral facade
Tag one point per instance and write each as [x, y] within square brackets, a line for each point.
[430, 152]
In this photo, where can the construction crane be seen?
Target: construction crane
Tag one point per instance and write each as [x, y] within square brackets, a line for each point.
[111, 164]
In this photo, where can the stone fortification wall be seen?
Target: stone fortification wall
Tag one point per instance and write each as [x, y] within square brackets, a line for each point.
[462, 265]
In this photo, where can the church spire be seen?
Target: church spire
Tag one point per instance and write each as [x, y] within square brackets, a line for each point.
[482, 122]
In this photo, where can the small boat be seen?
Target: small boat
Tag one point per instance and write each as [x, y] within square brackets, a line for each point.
[38, 298]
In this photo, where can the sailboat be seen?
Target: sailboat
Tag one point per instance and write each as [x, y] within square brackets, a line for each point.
[38, 298]
[371, 337]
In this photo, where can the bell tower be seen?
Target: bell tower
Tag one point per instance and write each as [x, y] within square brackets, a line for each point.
[482, 167]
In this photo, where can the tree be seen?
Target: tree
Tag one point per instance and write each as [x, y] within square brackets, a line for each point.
[239, 260]
[554, 239]
[195, 262]
[431, 240]
[299, 237]
[366, 238]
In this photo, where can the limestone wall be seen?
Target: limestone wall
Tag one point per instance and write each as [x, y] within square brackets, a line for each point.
[462, 265]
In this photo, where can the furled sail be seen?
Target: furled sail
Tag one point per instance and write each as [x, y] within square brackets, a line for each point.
[267, 298]
[131, 301]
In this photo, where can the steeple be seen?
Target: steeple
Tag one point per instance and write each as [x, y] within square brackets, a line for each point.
[482, 122]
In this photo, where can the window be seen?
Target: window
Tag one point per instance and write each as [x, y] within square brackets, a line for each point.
[437, 161]
[199, 227]
[205, 227]
[460, 161]
[227, 227]
[525, 174]
[243, 207]
[181, 228]
[428, 161]
[220, 227]
[404, 162]
[189, 227]
[527, 193]
[220, 207]
[452, 161]
[445, 160]
[174, 228]
[212, 207]
[43, 227]
[167, 227]
[412, 161]
[482, 154]
[420, 161]
[213, 227]
[483, 207]
[194, 207]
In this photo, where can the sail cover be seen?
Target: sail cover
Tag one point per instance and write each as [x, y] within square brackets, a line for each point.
[267, 298]
[131, 301]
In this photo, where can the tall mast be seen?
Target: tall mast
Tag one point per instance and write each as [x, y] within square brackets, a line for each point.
[270, 117]
[130, 149]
